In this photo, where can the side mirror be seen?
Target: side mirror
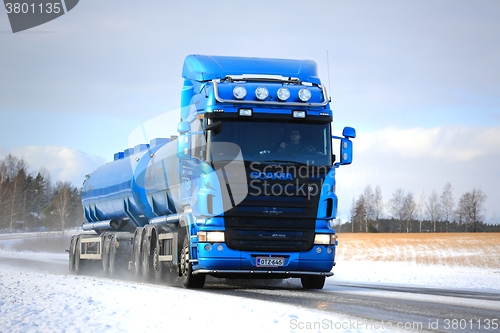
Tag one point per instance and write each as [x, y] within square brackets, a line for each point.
[345, 151]
[183, 127]
[345, 146]
[349, 132]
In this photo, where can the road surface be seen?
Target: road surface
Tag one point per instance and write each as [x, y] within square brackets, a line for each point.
[420, 308]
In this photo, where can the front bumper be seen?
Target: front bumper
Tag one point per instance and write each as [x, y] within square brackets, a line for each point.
[261, 273]
[220, 260]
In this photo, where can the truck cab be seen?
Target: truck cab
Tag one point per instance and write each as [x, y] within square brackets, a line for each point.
[262, 129]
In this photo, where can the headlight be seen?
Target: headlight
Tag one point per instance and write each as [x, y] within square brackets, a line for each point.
[261, 93]
[211, 236]
[304, 94]
[245, 112]
[283, 94]
[239, 92]
[322, 239]
[299, 114]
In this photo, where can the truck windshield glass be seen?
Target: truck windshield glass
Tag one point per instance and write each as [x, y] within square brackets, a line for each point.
[272, 141]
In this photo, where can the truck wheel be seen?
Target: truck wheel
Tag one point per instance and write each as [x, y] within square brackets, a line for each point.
[313, 282]
[159, 267]
[79, 263]
[186, 268]
[112, 256]
[137, 257]
[147, 260]
[105, 255]
[71, 255]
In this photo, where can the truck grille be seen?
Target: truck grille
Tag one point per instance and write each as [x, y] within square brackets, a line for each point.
[272, 235]
[275, 216]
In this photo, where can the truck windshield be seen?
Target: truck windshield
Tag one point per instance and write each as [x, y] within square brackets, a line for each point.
[272, 141]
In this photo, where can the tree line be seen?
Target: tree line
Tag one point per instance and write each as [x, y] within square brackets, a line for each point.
[29, 201]
[406, 213]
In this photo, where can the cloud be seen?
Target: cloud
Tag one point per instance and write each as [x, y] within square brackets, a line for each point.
[423, 159]
[63, 163]
[453, 143]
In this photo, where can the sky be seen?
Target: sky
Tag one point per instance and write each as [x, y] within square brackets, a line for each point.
[419, 80]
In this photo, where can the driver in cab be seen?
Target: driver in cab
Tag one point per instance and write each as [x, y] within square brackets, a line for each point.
[294, 145]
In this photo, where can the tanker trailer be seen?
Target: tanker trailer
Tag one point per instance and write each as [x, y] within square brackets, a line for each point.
[246, 189]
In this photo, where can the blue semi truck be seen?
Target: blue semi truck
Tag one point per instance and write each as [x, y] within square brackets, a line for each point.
[245, 189]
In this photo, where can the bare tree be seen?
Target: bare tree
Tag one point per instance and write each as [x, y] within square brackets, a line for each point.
[378, 205]
[13, 178]
[359, 216]
[352, 212]
[420, 210]
[471, 206]
[433, 208]
[63, 210]
[447, 203]
[369, 203]
[3, 193]
[397, 207]
[410, 207]
[12, 166]
[461, 211]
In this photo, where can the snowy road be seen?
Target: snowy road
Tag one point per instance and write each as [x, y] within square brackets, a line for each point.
[429, 308]
[389, 303]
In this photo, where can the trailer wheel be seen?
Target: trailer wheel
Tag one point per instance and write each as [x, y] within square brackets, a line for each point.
[186, 268]
[112, 256]
[137, 256]
[159, 267]
[79, 263]
[147, 260]
[313, 282]
[105, 255]
[71, 255]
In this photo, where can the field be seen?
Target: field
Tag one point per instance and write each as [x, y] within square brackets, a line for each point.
[481, 250]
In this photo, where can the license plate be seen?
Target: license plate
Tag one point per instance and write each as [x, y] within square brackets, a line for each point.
[270, 261]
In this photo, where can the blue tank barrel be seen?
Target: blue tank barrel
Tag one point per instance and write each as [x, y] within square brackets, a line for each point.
[136, 187]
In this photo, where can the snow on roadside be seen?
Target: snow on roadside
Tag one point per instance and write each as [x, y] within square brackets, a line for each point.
[411, 273]
[9, 253]
[37, 302]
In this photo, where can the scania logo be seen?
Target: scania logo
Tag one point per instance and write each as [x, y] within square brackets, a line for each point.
[271, 175]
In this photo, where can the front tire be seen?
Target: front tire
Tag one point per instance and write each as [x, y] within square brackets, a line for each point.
[189, 280]
[313, 282]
